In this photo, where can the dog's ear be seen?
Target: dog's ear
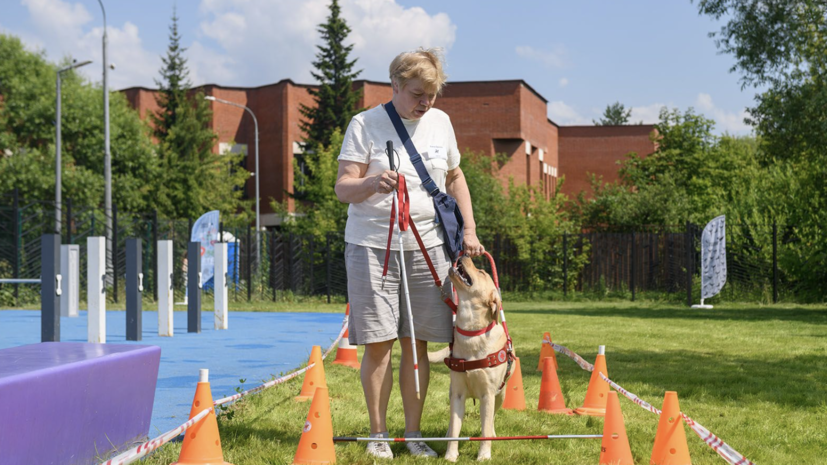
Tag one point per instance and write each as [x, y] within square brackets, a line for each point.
[494, 303]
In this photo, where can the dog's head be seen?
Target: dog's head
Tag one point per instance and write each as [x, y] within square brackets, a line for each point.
[475, 285]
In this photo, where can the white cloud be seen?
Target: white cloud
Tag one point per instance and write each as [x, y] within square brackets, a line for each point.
[649, 114]
[270, 40]
[563, 82]
[725, 121]
[555, 58]
[64, 29]
[566, 115]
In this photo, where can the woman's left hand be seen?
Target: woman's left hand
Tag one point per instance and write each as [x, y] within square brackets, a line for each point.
[471, 244]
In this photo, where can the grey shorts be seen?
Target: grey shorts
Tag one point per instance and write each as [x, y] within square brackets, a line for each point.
[380, 314]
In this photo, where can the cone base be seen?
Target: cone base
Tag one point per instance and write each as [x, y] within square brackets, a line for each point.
[590, 411]
[312, 462]
[355, 365]
[558, 411]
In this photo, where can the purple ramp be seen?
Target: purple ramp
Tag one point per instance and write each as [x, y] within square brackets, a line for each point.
[70, 403]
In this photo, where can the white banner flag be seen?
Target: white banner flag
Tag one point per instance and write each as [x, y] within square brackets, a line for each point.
[205, 231]
[713, 257]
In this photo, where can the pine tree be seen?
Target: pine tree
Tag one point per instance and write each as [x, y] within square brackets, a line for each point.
[193, 178]
[174, 83]
[335, 98]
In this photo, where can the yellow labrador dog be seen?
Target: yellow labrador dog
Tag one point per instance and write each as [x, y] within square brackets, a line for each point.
[480, 360]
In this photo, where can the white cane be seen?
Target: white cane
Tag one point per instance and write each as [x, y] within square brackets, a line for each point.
[404, 277]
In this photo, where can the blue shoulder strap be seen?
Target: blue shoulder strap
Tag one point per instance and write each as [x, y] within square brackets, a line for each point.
[416, 159]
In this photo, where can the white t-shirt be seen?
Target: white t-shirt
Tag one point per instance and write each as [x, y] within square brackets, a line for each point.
[365, 142]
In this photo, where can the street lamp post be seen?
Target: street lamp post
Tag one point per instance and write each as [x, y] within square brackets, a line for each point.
[58, 179]
[258, 219]
[107, 156]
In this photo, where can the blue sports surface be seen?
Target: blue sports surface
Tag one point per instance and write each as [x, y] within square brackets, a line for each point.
[256, 347]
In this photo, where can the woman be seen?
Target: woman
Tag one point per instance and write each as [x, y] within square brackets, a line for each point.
[365, 181]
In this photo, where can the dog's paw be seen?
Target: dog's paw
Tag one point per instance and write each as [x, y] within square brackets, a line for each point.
[451, 456]
[484, 456]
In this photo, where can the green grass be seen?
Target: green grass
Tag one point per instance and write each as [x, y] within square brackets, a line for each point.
[753, 375]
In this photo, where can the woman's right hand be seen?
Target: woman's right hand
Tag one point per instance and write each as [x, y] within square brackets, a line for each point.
[385, 182]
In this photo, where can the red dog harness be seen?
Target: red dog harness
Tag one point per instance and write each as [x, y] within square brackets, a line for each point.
[504, 355]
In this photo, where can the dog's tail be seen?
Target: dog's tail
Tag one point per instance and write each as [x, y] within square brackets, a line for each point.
[439, 355]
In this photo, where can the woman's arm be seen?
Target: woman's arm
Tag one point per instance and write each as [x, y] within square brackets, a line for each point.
[353, 187]
[457, 187]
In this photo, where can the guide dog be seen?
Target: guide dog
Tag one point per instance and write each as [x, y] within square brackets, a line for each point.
[481, 360]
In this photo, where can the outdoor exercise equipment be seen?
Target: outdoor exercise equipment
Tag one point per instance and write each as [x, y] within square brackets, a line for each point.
[194, 287]
[165, 289]
[96, 289]
[134, 290]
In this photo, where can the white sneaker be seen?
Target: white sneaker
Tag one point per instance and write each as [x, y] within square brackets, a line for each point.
[380, 450]
[419, 449]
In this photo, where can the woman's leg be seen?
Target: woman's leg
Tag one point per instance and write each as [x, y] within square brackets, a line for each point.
[407, 384]
[377, 382]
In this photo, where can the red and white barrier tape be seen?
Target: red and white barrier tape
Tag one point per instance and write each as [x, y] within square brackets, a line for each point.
[723, 449]
[263, 386]
[143, 449]
[149, 446]
[339, 338]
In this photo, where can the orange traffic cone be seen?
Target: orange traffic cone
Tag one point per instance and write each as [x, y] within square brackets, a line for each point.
[614, 448]
[316, 443]
[551, 396]
[546, 351]
[670, 440]
[514, 395]
[595, 403]
[202, 444]
[346, 353]
[314, 377]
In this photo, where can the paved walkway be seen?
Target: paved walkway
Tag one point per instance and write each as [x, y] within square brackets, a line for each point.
[256, 347]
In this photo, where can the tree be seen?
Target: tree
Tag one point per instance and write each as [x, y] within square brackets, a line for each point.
[193, 178]
[173, 85]
[614, 115]
[335, 98]
[27, 135]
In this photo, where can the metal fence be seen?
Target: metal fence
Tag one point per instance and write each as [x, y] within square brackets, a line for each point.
[765, 263]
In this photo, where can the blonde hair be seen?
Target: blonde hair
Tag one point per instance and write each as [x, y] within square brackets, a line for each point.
[423, 64]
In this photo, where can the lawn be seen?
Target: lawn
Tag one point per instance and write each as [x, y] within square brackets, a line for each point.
[753, 375]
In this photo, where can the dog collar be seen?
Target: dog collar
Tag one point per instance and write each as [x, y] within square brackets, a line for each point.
[478, 332]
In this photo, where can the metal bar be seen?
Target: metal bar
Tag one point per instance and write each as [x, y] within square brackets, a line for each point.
[632, 267]
[249, 266]
[154, 256]
[329, 270]
[115, 252]
[444, 439]
[688, 241]
[16, 225]
[774, 263]
[19, 281]
[565, 265]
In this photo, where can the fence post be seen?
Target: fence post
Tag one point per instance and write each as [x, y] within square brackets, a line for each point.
[312, 263]
[774, 262]
[249, 266]
[69, 220]
[327, 260]
[632, 267]
[16, 226]
[689, 267]
[565, 265]
[115, 252]
[154, 257]
[273, 262]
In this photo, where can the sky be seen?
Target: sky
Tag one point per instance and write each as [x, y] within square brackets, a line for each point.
[580, 56]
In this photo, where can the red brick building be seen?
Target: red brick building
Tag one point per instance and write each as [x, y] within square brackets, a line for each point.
[488, 116]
